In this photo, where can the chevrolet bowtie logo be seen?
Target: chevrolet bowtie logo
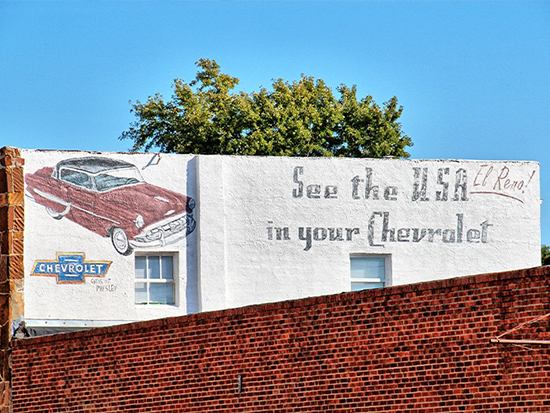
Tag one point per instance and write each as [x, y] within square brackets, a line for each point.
[71, 268]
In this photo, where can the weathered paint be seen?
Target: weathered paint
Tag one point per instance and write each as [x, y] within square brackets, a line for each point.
[272, 228]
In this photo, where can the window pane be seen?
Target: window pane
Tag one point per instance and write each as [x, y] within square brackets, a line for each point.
[77, 178]
[368, 267]
[154, 279]
[141, 293]
[365, 286]
[167, 269]
[116, 178]
[153, 267]
[140, 267]
[161, 293]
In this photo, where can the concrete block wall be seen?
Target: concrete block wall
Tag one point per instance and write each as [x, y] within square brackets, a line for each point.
[11, 259]
[413, 348]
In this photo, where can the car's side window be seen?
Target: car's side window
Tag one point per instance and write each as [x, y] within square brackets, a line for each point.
[76, 178]
[104, 182]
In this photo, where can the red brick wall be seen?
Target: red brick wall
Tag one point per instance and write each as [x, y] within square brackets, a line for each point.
[417, 348]
[11, 258]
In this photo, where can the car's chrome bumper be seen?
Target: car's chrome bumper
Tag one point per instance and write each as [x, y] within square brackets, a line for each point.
[165, 232]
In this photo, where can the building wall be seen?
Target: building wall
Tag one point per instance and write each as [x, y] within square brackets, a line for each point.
[335, 208]
[92, 300]
[12, 215]
[274, 228]
[423, 347]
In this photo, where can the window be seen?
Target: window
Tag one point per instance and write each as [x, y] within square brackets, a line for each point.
[368, 271]
[155, 279]
[116, 178]
[76, 178]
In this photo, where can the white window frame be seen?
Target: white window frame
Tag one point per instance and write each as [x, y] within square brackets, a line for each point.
[387, 272]
[149, 281]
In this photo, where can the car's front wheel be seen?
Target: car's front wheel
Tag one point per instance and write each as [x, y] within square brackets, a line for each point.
[120, 241]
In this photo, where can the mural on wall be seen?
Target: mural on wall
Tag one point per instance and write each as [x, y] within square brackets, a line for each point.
[71, 268]
[442, 185]
[110, 197]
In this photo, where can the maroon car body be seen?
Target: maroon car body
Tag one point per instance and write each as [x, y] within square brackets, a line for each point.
[109, 197]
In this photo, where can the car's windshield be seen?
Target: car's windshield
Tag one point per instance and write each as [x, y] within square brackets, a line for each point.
[116, 178]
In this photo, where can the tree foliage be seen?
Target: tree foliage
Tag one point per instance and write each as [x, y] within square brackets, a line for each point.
[545, 255]
[302, 118]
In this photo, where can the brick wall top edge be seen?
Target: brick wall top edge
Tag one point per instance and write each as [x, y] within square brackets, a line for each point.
[10, 151]
[299, 303]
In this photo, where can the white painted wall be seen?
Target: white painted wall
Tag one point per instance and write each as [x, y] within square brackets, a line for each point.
[110, 298]
[484, 216]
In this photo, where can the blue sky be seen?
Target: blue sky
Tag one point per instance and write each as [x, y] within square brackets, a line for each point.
[472, 76]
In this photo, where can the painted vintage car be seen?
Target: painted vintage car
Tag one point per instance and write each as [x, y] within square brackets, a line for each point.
[110, 197]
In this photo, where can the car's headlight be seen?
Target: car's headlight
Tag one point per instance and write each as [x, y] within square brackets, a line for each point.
[138, 221]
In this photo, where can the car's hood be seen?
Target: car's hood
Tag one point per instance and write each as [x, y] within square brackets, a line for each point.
[151, 202]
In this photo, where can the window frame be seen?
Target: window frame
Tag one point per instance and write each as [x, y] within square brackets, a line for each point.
[148, 281]
[387, 272]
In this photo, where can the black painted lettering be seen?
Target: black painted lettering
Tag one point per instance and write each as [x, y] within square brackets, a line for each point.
[484, 228]
[355, 187]
[459, 227]
[387, 231]
[314, 191]
[390, 193]
[442, 195]
[319, 234]
[461, 185]
[282, 233]
[304, 234]
[432, 233]
[403, 234]
[473, 235]
[418, 234]
[331, 191]
[335, 234]
[350, 232]
[298, 192]
[370, 234]
[448, 236]
[369, 187]
[420, 185]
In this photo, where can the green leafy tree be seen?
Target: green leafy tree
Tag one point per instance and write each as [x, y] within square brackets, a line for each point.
[545, 255]
[302, 118]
